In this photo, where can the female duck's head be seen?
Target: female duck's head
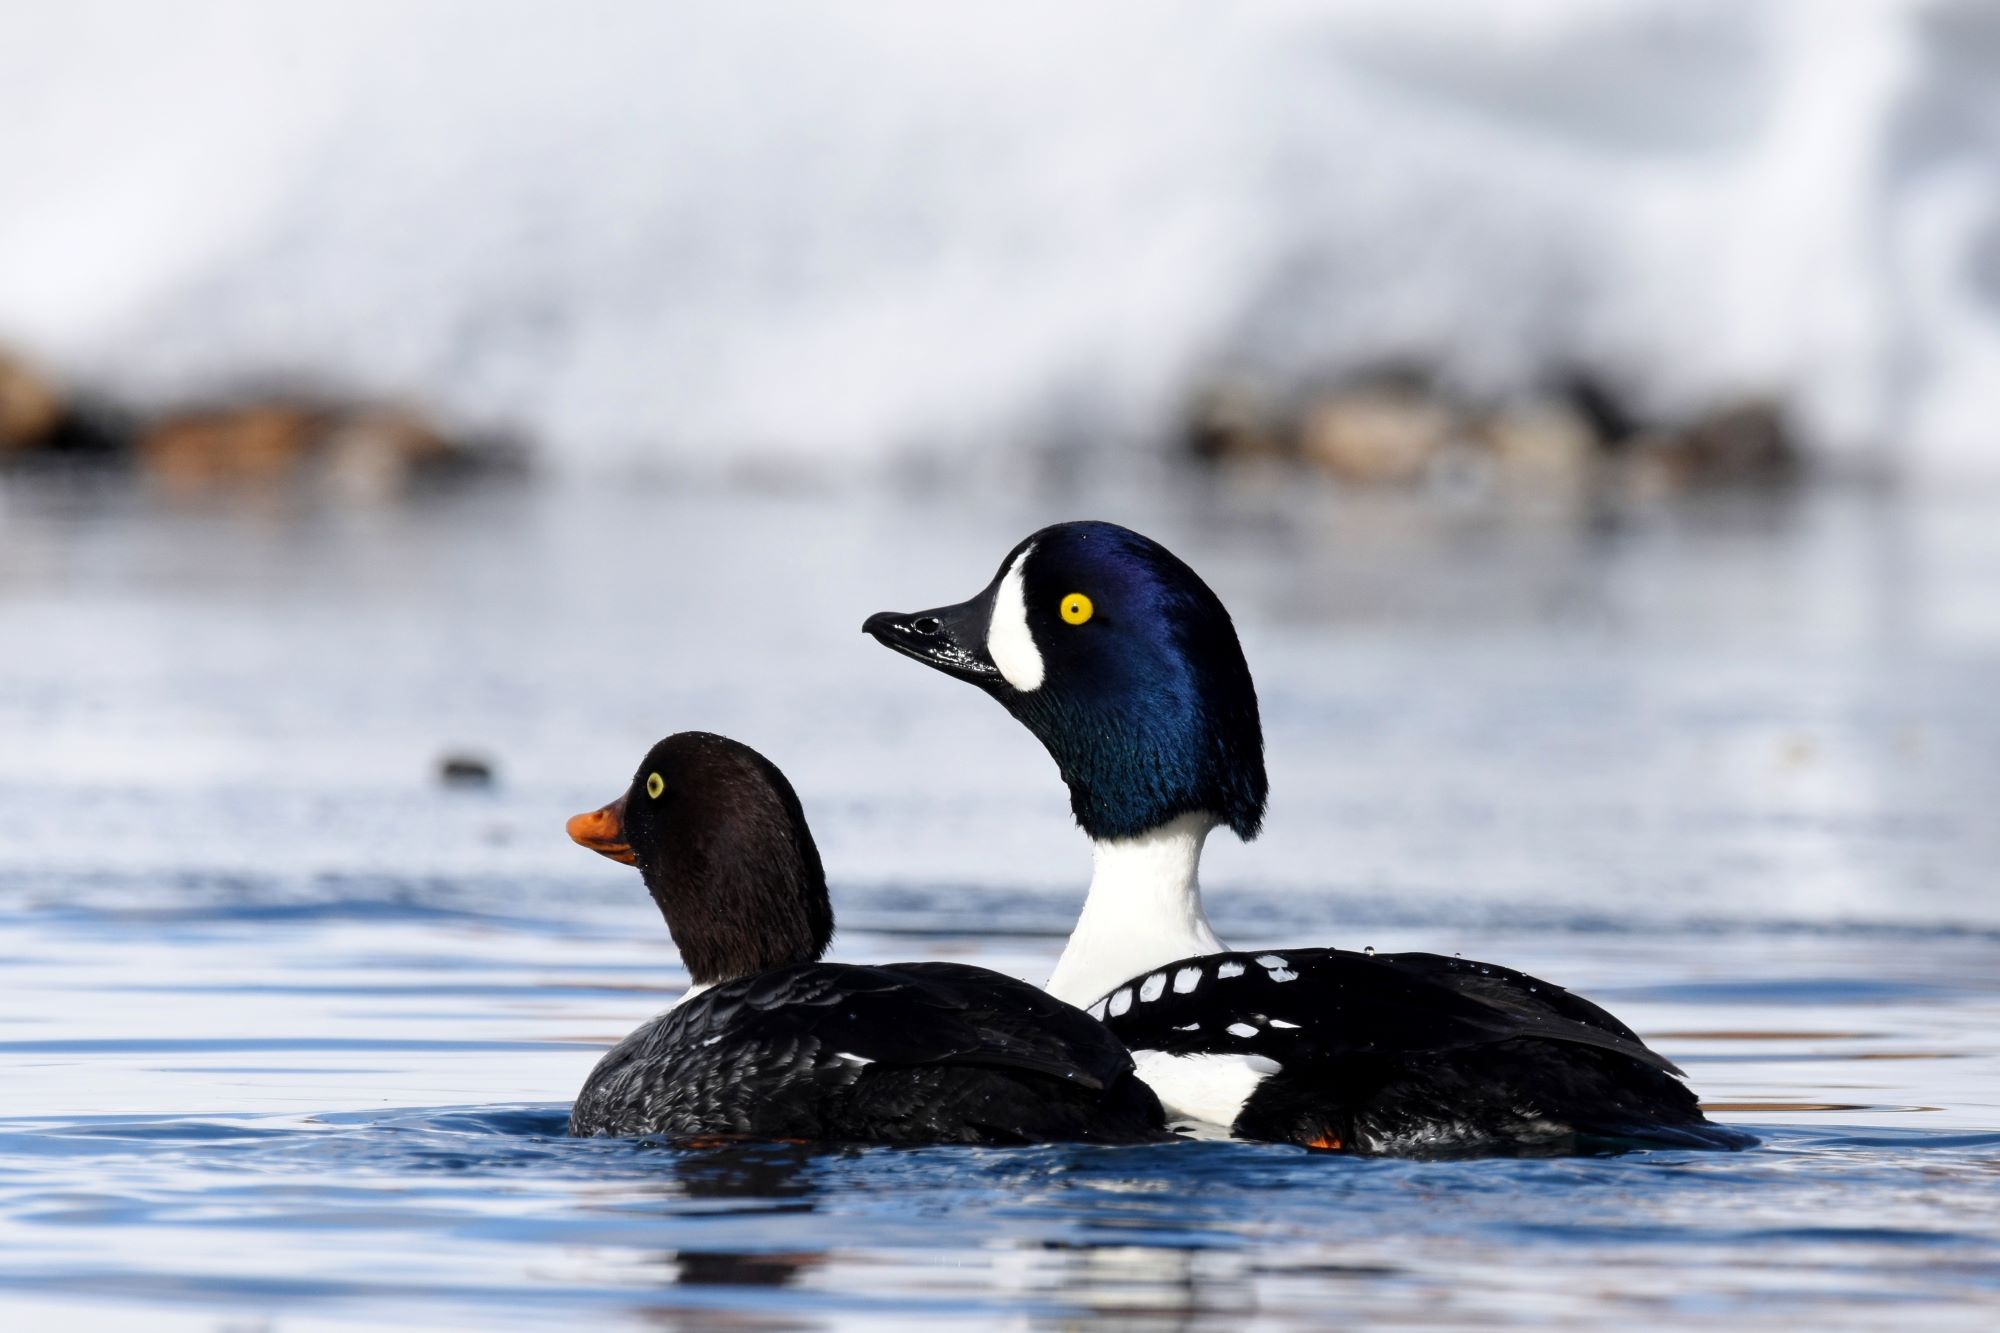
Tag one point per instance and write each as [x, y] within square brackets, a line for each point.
[1125, 665]
[718, 835]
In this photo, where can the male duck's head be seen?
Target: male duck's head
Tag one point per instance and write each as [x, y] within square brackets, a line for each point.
[1119, 658]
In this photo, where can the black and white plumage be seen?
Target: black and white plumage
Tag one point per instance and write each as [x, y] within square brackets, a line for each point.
[1397, 1053]
[773, 1044]
[1125, 665]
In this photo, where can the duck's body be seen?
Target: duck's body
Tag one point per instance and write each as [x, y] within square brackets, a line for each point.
[1125, 665]
[773, 1044]
[1396, 1053]
[903, 1053]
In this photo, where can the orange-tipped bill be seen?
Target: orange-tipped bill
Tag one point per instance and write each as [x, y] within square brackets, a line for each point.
[603, 831]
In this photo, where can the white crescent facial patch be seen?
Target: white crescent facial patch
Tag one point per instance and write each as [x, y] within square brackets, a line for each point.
[1009, 641]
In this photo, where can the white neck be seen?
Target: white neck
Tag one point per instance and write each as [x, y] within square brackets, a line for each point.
[1144, 910]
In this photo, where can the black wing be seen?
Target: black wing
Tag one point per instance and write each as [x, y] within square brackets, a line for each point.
[1023, 1025]
[793, 1051]
[919, 1014]
[1333, 1002]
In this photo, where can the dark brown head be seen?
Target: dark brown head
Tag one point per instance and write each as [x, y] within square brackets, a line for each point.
[718, 834]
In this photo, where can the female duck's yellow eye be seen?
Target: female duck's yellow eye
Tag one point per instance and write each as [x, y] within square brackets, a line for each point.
[1076, 608]
[655, 784]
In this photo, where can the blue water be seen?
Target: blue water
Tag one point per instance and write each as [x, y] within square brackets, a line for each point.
[290, 1028]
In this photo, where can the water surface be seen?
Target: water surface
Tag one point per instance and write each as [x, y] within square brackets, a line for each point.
[291, 1027]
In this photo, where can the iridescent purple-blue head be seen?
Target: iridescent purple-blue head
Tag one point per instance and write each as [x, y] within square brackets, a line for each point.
[1122, 662]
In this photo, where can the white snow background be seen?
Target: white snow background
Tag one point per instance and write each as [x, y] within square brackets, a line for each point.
[681, 237]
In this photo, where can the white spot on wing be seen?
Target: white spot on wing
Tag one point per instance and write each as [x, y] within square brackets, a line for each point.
[1121, 1000]
[1281, 1023]
[1186, 980]
[1187, 1027]
[1242, 1030]
[1274, 964]
[1009, 641]
[1229, 969]
[852, 1058]
[1153, 987]
[1096, 1010]
[1204, 1087]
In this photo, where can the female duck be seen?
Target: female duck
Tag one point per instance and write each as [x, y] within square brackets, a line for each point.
[771, 1043]
[1125, 665]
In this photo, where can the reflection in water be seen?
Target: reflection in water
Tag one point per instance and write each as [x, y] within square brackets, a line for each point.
[723, 1268]
[762, 1178]
[775, 1173]
[1150, 1286]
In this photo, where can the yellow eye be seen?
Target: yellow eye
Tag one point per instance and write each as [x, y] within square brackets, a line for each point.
[655, 784]
[1076, 608]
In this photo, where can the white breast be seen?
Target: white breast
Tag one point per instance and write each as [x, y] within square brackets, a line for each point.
[1203, 1087]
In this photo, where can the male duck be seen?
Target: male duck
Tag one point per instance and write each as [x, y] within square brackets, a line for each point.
[1126, 667]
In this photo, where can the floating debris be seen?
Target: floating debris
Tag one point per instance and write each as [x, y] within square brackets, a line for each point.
[460, 769]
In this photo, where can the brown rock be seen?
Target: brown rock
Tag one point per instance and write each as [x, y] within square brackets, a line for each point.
[1540, 444]
[365, 452]
[31, 407]
[1748, 441]
[375, 452]
[1375, 436]
[1233, 422]
[1743, 444]
[256, 446]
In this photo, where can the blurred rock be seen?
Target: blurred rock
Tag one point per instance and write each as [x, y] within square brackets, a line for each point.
[31, 407]
[353, 452]
[1235, 422]
[378, 452]
[1607, 412]
[266, 442]
[1580, 438]
[1745, 444]
[1543, 444]
[39, 422]
[251, 447]
[1381, 435]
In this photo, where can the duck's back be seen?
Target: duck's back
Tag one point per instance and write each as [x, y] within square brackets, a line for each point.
[901, 1053]
[1397, 1053]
